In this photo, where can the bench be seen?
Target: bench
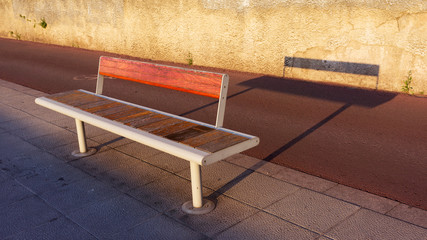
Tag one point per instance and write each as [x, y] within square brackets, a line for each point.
[197, 142]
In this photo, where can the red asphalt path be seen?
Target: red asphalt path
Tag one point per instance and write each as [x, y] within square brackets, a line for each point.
[371, 140]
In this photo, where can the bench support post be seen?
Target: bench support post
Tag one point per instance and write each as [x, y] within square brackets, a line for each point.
[198, 205]
[196, 184]
[81, 136]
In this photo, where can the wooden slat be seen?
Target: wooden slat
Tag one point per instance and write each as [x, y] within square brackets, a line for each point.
[95, 104]
[102, 107]
[173, 128]
[83, 101]
[198, 136]
[144, 121]
[126, 113]
[221, 143]
[112, 110]
[205, 138]
[160, 124]
[72, 96]
[79, 100]
[135, 116]
[188, 133]
[187, 80]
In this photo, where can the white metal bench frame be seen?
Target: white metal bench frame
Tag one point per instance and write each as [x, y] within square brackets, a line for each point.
[196, 157]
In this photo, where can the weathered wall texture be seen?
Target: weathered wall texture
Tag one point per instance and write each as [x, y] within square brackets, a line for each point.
[245, 35]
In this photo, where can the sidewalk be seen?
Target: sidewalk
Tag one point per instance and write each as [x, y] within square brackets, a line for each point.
[129, 191]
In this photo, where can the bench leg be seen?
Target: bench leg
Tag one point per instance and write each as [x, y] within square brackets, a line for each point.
[198, 205]
[81, 136]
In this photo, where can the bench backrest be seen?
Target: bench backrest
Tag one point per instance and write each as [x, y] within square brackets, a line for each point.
[187, 80]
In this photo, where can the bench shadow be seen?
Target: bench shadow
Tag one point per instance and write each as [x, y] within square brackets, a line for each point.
[101, 145]
[357, 96]
[345, 95]
[333, 66]
[276, 153]
[336, 93]
[215, 102]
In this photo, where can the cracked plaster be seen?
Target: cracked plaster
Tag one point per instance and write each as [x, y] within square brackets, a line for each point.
[245, 35]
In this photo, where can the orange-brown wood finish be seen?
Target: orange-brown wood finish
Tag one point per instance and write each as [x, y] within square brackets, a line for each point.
[188, 133]
[173, 128]
[130, 111]
[132, 117]
[95, 104]
[205, 138]
[221, 143]
[160, 124]
[198, 82]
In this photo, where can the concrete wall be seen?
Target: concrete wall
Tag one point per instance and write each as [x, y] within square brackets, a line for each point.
[245, 35]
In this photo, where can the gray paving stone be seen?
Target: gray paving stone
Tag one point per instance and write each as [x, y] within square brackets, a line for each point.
[410, 214]
[311, 210]
[168, 162]
[132, 176]
[107, 213]
[36, 110]
[138, 150]
[227, 213]
[11, 146]
[19, 216]
[364, 199]
[255, 164]
[51, 177]
[304, 180]
[66, 123]
[20, 123]
[54, 140]
[166, 193]
[258, 190]
[78, 194]
[111, 216]
[4, 176]
[18, 100]
[43, 113]
[64, 152]
[26, 161]
[92, 131]
[34, 93]
[8, 113]
[60, 228]
[366, 224]
[111, 140]
[160, 227]
[220, 175]
[12, 85]
[11, 191]
[36, 131]
[104, 161]
[266, 226]
[7, 92]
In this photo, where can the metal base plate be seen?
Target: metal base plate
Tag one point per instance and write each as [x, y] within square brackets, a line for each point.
[78, 154]
[207, 207]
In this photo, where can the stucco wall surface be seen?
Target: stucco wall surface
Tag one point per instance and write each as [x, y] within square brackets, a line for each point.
[245, 35]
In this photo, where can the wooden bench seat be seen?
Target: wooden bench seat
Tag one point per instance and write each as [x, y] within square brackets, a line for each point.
[194, 141]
